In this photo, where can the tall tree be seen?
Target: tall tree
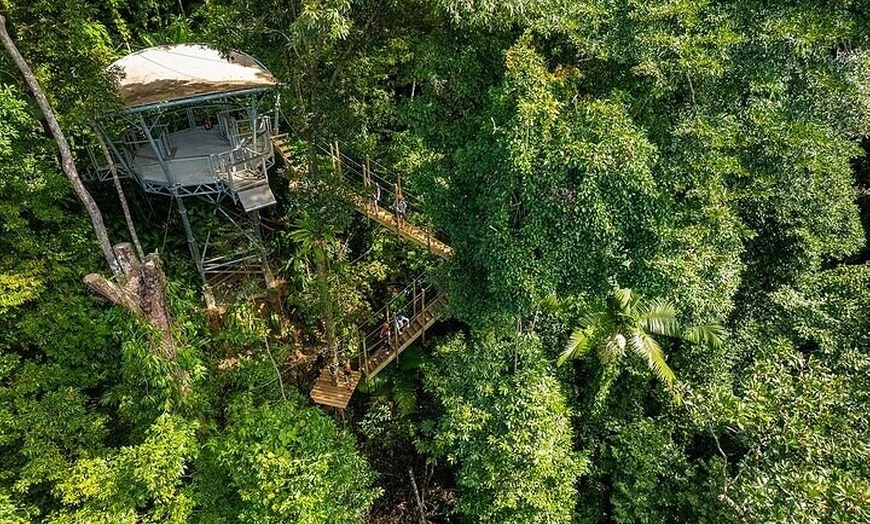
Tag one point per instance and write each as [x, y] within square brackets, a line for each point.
[67, 161]
[504, 425]
[143, 288]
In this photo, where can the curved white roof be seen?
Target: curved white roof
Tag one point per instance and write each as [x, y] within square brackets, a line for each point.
[173, 72]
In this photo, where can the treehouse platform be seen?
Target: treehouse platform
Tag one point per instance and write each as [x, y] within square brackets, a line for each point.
[196, 122]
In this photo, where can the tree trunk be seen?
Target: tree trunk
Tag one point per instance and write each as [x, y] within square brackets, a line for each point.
[67, 163]
[142, 288]
[120, 190]
[143, 293]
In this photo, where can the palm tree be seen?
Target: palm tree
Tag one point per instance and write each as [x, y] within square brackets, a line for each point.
[628, 322]
[314, 240]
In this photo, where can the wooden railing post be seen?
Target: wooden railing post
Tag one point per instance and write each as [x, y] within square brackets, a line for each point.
[365, 354]
[338, 160]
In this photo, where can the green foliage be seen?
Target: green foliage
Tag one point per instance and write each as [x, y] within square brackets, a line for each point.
[10, 513]
[505, 427]
[286, 463]
[804, 433]
[141, 483]
[796, 425]
[699, 151]
[628, 322]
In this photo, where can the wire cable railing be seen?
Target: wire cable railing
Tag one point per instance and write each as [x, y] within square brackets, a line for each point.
[403, 315]
[363, 180]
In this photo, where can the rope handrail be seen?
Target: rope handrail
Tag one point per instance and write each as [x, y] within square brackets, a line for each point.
[375, 339]
[349, 166]
[381, 316]
[354, 167]
[420, 279]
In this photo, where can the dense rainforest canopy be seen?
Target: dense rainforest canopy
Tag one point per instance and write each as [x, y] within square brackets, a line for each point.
[602, 168]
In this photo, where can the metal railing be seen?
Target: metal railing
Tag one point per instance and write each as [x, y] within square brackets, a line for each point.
[240, 168]
[373, 336]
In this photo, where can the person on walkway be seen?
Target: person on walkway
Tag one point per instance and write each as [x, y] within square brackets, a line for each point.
[402, 321]
[385, 330]
[376, 194]
[348, 375]
[401, 208]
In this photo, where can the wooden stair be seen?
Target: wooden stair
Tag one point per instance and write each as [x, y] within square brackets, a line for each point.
[385, 217]
[386, 352]
[281, 144]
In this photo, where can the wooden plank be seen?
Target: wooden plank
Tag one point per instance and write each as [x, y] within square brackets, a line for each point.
[334, 395]
[379, 214]
[385, 356]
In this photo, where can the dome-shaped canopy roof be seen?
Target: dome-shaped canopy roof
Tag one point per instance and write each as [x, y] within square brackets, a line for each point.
[173, 72]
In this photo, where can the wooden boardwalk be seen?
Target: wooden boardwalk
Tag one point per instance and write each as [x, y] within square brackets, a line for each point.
[403, 228]
[335, 394]
[386, 352]
[379, 214]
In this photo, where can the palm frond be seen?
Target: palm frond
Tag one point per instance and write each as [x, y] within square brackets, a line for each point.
[710, 335]
[622, 299]
[578, 346]
[594, 319]
[647, 348]
[405, 395]
[660, 317]
[550, 304]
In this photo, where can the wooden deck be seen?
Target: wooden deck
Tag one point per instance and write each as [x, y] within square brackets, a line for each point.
[327, 393]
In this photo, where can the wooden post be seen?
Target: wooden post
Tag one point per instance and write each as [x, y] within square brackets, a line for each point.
[390, 336]
[365, 355]
[423, 298]
[367, 179]
[332, 156]
[338, 159]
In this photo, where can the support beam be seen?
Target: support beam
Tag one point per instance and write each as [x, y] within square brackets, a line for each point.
[191, 240]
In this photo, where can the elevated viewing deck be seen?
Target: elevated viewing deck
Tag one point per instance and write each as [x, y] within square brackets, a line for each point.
[226, 158]
[189, 158]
